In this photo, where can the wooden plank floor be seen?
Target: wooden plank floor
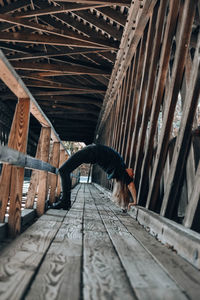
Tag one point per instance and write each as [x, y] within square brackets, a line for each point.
[94, 251]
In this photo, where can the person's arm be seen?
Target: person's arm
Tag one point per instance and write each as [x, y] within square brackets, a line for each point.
[132, 190]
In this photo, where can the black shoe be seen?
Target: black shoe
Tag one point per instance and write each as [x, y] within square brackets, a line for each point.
[60, 204]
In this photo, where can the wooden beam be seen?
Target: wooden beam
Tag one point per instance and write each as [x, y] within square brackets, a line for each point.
[13, 6]
[12, 177]
[101, 24]
[56, 85]
[107, 3]
[51, 39]
[62, 8]
[53, 177]
[16, 158]
[172, 96]
[49, 54]
[71, 107]
[183, 138]
[116, 16]
[137, 19]
[72, 99]
[58, 68]
[50, 29]
[42, 186]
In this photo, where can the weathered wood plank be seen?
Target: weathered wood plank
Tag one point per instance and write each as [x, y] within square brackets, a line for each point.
[186, 20]
[103, 276]
[183, 138]
[182, 272]
[60, 274]
[20, 259]
[142, 81]
[54, 177]
[16, 158]
[192, 205]
[147, 278]
[42, 186]
[158, 95]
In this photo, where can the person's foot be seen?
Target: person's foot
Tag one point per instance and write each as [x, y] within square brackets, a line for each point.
[61, 205]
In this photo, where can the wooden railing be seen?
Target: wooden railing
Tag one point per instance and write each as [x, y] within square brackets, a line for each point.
[12, 176]
[158, 66]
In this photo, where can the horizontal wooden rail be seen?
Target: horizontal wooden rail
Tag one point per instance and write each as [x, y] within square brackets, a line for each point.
[14, 157]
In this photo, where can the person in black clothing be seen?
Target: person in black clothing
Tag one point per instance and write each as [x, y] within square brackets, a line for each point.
[111, 162]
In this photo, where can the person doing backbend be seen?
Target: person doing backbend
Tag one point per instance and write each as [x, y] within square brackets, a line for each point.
[111, 162]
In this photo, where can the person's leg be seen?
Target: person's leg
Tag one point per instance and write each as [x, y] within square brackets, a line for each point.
[66, 188]
[83, 156]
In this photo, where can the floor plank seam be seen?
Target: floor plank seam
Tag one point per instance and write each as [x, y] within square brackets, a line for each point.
[26, 291]
[82, 253]
[117, 254]
[150, 253]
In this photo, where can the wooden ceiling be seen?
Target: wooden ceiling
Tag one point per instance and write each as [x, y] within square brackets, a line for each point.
[64, 51]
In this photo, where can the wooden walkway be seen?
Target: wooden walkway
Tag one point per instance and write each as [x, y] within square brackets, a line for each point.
[94, 251]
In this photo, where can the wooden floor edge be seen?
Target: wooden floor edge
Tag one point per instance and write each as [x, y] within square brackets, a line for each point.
[184, 241]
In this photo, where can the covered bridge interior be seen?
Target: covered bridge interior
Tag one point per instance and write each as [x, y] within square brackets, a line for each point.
[121, 73]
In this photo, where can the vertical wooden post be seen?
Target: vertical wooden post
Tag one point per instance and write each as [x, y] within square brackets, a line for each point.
[54, 177]
[183, 138]
[177, 75]
[32, 190]
[12, 177]
[194, 200]
[42, 187]
[158, 96]
[63, 157]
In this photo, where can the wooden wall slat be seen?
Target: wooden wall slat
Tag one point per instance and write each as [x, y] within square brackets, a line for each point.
[177, 73]
[183, 138]
[144, 83]
[150, 91]
[159, 91]
[194, 200]
[133, 103]
[124, 116]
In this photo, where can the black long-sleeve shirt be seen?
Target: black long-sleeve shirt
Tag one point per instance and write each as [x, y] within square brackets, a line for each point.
[107, 158]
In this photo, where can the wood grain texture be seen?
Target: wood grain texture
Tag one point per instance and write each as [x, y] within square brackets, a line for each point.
[42, 186]
[103, 276]
[53, 177]
[147, 278]
[60, 274]
[20, 259]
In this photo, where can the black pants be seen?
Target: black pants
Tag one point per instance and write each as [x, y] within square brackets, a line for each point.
[86, 155]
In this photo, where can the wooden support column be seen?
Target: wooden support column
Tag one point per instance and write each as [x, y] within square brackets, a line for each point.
[186, 21]
[124, 112]
[32, 190]
[43, 175]
[144, 78]
[145, 111]
[183, 138]
[128, 111]
[133, 102]
[54, 177]
[63, 157]
[12, 177]
[118, 109]
[194, 200]
[158, 96]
